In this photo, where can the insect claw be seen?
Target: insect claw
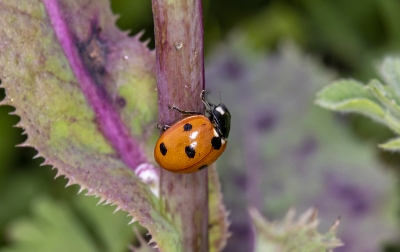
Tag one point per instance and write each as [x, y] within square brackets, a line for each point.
[163, 127]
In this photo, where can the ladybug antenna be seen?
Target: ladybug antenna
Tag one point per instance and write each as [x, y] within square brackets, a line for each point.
[219, 95]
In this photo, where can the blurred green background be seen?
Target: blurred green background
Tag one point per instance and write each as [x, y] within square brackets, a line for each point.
[346, 37]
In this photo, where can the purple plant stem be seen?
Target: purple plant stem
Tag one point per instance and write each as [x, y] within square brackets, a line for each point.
[180, 77]
[107, 117]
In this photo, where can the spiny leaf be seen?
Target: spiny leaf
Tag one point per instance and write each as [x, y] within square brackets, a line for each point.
[86, 96]
[290, 235]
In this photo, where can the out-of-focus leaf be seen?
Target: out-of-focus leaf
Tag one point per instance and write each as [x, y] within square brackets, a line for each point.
[332, 30]
[284, 151]
[374, 100]
[16, 192]
[389, 10]
[386, 96]
[345, 96]
[111, 230]
[282, 20]
[55, 226]
[390, 72]
[86, 96]
[290, 235]
[134, 16]
[391, 145]
[9, 136]
[350, 96]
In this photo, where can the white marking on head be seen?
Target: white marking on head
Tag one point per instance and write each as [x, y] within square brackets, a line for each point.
[220, 110]
[222, 141]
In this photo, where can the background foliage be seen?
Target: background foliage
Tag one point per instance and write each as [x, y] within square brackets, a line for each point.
[344, 38]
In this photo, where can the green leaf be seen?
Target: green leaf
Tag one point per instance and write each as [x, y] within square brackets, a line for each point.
[111, 230]
[283, 21]
[350, 96]
[385, 95]
[290, 235]
[55, 226]
[324, 14]
[392, 122]
[23, 185]
[9, 136]
[378, 101]
[390, 72]
[391, 145]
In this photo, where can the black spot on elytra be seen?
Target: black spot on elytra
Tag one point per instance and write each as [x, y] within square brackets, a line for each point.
[190, 152]
[216, 143]
[163, 149]
[202, 167]
[187, 127]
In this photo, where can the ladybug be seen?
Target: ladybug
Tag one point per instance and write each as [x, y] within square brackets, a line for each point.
[194, 142]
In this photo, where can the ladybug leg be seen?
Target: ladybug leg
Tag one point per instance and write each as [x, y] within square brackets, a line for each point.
[163, 127]
[206, 103]
[184, 112]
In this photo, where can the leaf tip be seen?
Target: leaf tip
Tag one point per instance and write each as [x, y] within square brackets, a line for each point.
[117, 209]
[70, 182]
[59, 173]
[81, 189]
[101, 201]
[335, 226]
[132, 220]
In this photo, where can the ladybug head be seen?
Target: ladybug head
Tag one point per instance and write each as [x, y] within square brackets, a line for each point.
[219, 117]
[222, 120]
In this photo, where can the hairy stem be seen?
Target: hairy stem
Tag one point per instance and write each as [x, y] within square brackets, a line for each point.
[180, 78]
